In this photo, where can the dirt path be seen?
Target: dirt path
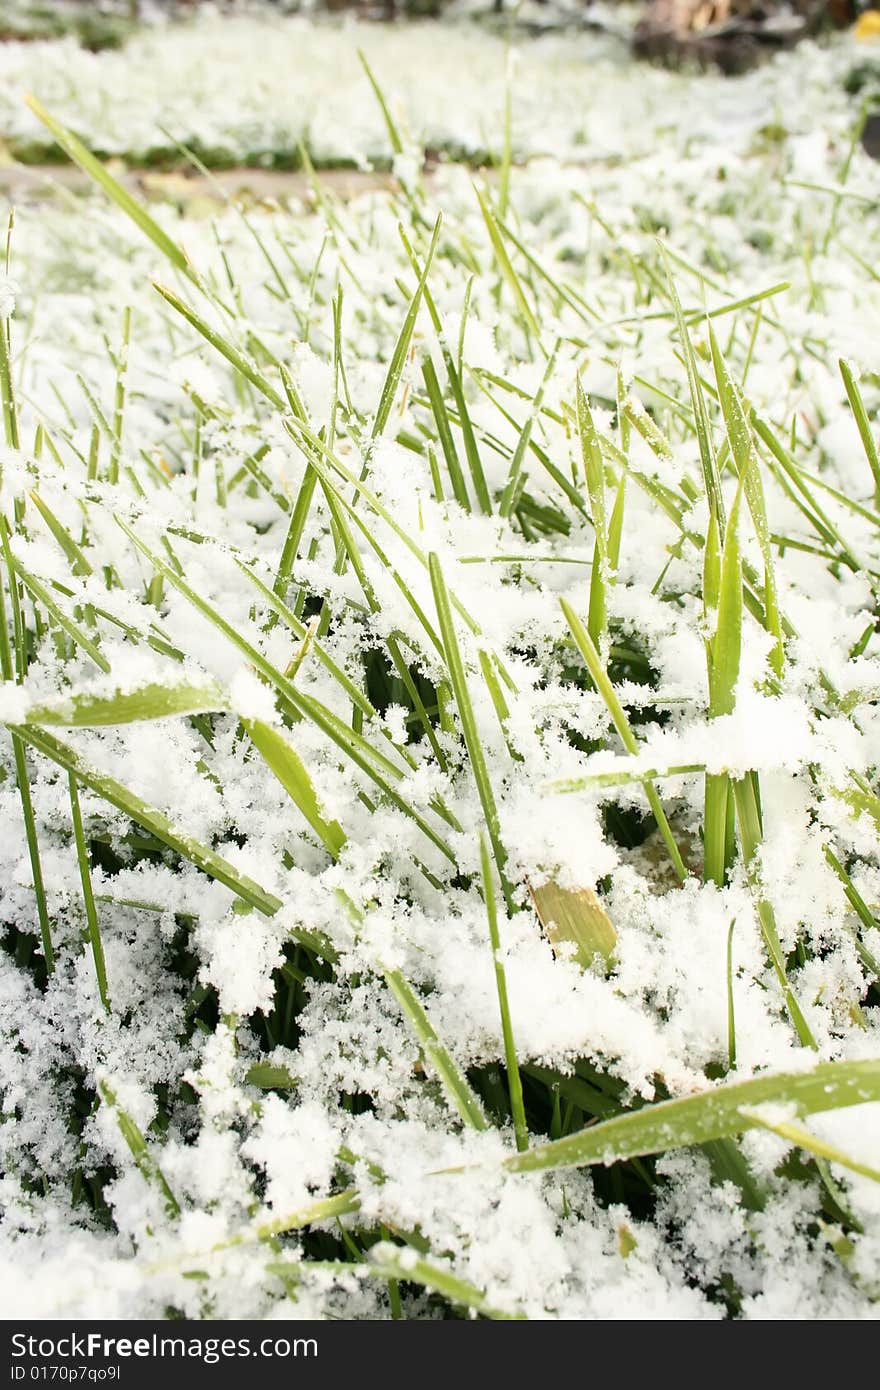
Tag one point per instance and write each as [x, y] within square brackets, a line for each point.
[24, 183]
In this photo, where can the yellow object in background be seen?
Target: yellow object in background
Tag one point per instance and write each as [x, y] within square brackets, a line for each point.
[867, 26]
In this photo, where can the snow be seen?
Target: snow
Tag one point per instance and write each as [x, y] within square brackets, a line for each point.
[199, 982]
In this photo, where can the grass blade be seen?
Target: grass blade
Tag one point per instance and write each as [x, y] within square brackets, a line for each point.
[621, 723]
[76, 634]
[278, 754]
[390, 123]
[473, 742]
[151, 819]
[94, 929]
[711, 479]
[301, 433]
[748, 820]
[805, 1139]
[714, 1114]
[514, 1080]
[78, 563]
[85, 710]
[743, 449]
[860, 908]
[723, 653]
[869, 444]
[222, 345]
[405, 1265]
[444, 432]
[144, 1160]
[401, 347]
[622, 778]
[77, 151]
[22, 776]
[505, 265]
[8, 408]
[594, 472]
[576, 916]
[454, 1082]
[356, 748]
[515, 477]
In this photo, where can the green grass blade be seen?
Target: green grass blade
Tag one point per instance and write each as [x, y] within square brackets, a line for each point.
[499, 702]
[594, 472]
[454, 374]
[144, 1160]
[93, 926]
[594, 467]
[285, 762]
[8, 407]
[85, 710]
[615, 526]
[293, 539]
[860, 908]
[650, 431]
[296, 430]
[711, 479]
[471, 450]
[390, 124]
[301, 631]
[731, 1013]
[716, 832]
[749, 823]
[269, 1077]
[76, 150]
[622, 725]
[364, 755]
[401, 347]
[724, 652]
[566, 292]
[869, 444]
[331, 490]
[80, 638]
[743, 449]
[237, 359]
[805, 1139]
[622, 778]
[78, 562]
[325, 1209]
[505, 265]
[119, 397]
[390, 1262]
[22, 776]
[453, 1080]
[715, 1114]
[514, 1080]
[444, 432]
[152, 819]
[727, 644]
[473, 742]
[712, 566]
[515, 475]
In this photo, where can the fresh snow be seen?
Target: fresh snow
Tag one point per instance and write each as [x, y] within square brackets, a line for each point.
[615, 155]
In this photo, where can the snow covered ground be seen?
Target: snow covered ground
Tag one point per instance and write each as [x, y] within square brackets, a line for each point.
[248, 90]
[294, 429]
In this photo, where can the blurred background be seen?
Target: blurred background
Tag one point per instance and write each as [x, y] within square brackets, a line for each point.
[108, 23]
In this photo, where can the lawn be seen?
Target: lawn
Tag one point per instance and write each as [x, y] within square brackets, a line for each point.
[440, 801]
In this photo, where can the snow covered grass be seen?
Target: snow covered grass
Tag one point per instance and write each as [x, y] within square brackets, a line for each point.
[439, 808]
[251, 90]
